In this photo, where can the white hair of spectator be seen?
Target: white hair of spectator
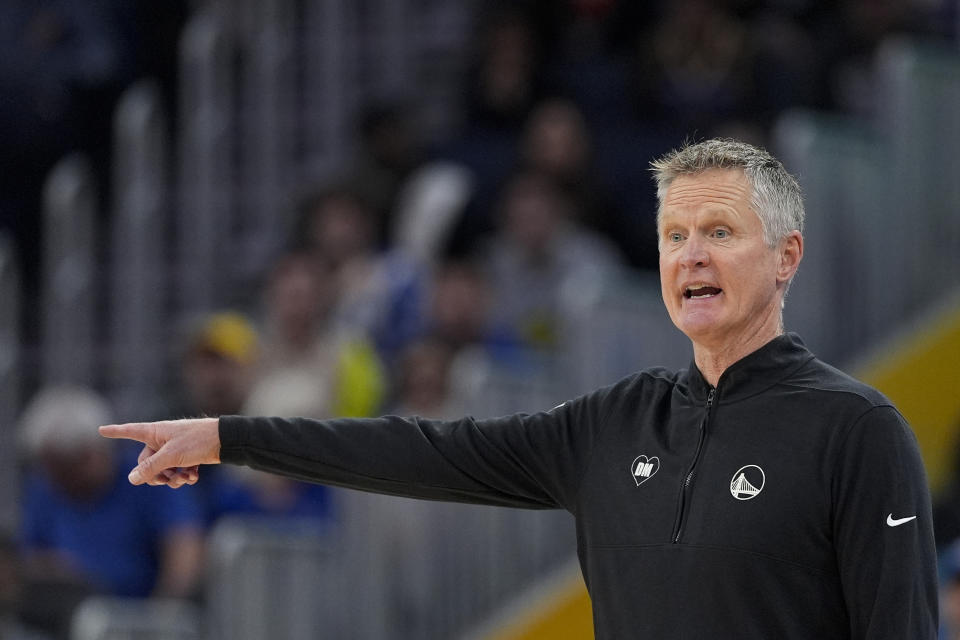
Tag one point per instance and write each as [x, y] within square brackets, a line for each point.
[775, 197]
[63, 418]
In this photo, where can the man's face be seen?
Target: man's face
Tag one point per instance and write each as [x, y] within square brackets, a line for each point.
[718, 277]
[216, 384]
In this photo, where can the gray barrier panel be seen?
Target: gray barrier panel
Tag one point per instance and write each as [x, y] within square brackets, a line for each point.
[139, 307]
[68, 285]
[205, 187]
[104, 618]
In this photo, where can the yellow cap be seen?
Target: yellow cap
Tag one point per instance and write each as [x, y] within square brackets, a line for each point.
[228, 334]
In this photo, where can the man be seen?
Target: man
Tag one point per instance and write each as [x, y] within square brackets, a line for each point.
[74, 491]
[759, 494]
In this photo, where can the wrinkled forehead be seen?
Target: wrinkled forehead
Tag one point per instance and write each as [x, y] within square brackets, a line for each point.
[718, 190]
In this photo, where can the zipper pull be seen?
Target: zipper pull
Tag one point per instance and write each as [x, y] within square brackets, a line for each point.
[713, 392]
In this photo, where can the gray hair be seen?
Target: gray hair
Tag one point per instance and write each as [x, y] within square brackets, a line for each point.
[776, 196]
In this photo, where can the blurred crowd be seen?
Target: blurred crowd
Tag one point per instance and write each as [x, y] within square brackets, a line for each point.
[423, 266]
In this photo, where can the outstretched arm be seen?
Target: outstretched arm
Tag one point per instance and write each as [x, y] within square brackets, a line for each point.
[523, 460]
[172, 449]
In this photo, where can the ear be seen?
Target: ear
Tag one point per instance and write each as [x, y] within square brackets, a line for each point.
[790, 254]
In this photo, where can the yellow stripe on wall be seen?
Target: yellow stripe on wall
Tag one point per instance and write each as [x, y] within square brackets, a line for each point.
[920, 373]
[569, 616]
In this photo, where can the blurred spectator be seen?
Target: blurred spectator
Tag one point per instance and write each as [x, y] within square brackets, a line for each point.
[389, 151]
[461, 345]
[423, 381]
[217, 365]
[460, 300]
[312, 366]
[268, 498]
[460, 313]
[503, 85]
[538, 253]
[85, 528]
[557, 143]
[377, 292]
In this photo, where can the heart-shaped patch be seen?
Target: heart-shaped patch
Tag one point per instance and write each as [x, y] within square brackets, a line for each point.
[644, 468]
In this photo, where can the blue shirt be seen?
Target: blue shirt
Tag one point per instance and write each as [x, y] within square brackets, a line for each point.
[115, 539]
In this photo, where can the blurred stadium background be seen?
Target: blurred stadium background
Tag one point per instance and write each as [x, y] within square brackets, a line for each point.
[161, 161]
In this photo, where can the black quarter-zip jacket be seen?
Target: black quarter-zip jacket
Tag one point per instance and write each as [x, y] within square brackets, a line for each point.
[789, 502]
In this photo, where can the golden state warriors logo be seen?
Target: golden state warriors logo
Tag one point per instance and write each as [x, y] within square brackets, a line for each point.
[747, 482]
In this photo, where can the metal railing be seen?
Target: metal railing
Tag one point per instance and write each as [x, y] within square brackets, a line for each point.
[103, 618]
[270, 92]
[269, 160]
[138, 303]
[920, 85]
[205, 194]
[391, 569]
[68, 286]
[883, 203]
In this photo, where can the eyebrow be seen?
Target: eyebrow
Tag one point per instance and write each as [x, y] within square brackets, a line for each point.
[714, 214]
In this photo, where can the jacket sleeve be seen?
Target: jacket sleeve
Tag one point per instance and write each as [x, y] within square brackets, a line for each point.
[533, 461]
[883, 530]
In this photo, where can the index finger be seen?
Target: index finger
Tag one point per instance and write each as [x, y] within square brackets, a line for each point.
[139, 431]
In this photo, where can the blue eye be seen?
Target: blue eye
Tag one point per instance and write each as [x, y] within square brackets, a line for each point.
[674, 237]
[721, 233]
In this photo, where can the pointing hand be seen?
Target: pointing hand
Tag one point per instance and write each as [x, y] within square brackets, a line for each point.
[172, 451]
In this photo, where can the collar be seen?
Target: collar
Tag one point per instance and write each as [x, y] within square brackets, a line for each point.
[752, 374]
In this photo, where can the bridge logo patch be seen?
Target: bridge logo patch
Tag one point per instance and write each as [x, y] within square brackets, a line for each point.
[747, 482]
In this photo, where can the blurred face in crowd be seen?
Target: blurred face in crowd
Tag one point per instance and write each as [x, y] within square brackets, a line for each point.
[423, 375]
[300, 292]
[531, 211]
[341, 228]
[460, 300]
[556, 139]
[217, 384]
[721, 283]
[83, 471]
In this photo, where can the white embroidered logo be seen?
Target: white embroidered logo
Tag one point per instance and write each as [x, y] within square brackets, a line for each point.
[747, 482]
[896, 522]
[644, 468]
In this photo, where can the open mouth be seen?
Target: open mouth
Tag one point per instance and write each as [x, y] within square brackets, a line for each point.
[698, 291]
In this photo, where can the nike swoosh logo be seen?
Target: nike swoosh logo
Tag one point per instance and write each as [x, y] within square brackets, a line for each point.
[892, 522]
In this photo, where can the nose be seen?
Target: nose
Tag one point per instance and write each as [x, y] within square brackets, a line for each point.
[694, 254]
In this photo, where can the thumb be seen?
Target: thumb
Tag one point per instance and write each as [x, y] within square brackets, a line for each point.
[149, 468]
